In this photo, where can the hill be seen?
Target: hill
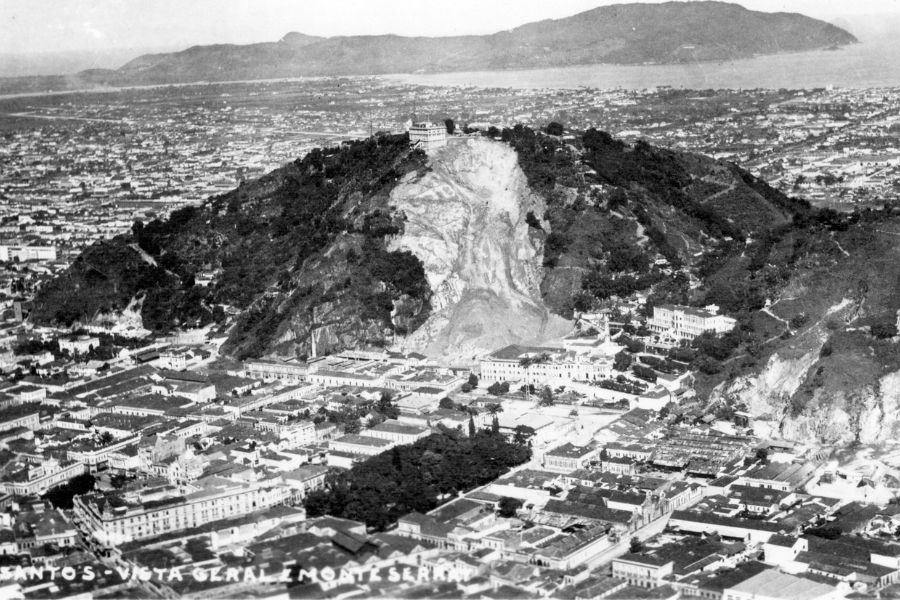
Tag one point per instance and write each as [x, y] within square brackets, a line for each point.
[623, 34]
[672, 32]
[491, 241]
[477, 246]
[816, 354]
[302, 245]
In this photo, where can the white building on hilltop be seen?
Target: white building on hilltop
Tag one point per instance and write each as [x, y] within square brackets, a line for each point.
[687, 322]
[428, 136]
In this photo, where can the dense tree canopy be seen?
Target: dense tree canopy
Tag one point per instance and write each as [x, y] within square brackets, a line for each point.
[413, 478]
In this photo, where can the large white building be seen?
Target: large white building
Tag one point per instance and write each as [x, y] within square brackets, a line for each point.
[540, 365]
[395, 431]
[291, 370]
[38, 479]
[428, 136]
[115, 520]
[687, 322]
[79, 345]
[26, 253]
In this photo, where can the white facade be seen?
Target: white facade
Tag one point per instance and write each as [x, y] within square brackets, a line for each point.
[118, 525]
[43, 477]
[397, 432]
[361, 444]
[687, 322]
[547, 365]
[81, 345]
[26, 253]
[428, 136]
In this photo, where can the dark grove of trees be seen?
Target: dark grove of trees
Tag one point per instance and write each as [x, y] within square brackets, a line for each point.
[413, 478]
[61, 496]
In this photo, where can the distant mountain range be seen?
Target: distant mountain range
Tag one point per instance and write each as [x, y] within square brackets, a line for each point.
[673, 32]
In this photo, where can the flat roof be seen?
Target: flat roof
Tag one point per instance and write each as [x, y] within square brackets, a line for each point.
[362, 440]
[774, 584]
[397, 427]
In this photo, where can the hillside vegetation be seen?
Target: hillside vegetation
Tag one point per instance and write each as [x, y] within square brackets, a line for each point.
[311, 234]
[814, 291]
[348, 246]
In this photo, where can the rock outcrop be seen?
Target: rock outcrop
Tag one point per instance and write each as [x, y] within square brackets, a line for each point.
[466, 222]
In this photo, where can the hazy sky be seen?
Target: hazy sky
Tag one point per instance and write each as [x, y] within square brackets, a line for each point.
[37, 26]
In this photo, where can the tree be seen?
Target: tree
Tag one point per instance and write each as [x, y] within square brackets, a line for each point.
[416, 477]
[507, 507]
[828, 532]
[451, 126]
[352, 426]
[466, 388]
[547, 398]
[522, 434]
[471, 426]
[554, 128]
[498, 388]
[622, 361]
[386, 406]
[884, 330]
[495, 425]
[447, 404]
[473, 380]
[635, 546]
[61, 496]
[762, 454]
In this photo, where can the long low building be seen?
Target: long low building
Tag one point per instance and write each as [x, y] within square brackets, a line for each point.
[538, 365]
[38, 479]
[293, 371]
[113, 519]
[395, 431]
[361, 444]
[749, 530]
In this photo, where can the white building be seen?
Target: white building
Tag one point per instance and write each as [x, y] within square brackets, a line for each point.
[428, 136]
[365, 445]
[687, 322]
[80, 345]
[291, 370]
[539, 365]
[395, 431]
[150, 515]
[26, 253]
[40, 478]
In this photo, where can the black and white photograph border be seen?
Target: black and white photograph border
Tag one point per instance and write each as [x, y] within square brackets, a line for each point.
[433, 299]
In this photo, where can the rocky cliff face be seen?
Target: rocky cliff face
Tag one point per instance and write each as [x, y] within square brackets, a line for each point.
[836, 379]
[466, 222]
